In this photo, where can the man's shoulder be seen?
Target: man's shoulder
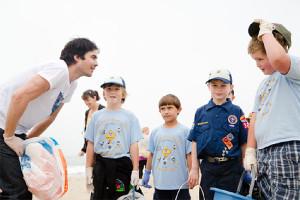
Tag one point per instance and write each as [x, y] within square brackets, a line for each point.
[52, 63]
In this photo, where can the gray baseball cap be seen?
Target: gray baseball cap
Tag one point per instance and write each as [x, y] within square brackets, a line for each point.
[253, 31]
[116, 80]
[220, 74]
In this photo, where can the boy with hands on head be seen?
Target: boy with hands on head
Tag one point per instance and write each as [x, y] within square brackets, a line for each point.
[113, 135]
[274, 125]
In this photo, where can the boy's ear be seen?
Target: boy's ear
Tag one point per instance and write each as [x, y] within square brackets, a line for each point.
[179, 110]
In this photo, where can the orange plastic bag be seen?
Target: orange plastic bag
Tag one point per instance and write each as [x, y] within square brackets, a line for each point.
[44, 168]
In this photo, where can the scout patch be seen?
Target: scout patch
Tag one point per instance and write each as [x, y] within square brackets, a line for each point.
[202, 123]
[227, 140]
[244, 121]
[232, 119]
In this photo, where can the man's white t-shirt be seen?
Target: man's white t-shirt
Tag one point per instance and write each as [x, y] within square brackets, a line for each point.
[60, 91]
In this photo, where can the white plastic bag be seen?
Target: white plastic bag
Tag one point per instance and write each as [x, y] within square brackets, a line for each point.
[132, 195]
[44, 168]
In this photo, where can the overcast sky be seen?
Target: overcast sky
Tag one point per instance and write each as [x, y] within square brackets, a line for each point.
[157, 46]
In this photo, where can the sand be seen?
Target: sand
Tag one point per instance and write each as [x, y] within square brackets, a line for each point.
[77, 190]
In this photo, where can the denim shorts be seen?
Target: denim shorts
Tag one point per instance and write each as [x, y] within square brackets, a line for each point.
[12, 183]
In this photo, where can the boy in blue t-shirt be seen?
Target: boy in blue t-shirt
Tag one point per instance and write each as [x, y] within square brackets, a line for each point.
[112, 160]
[218, 137]
[274, 126]
[169, 156]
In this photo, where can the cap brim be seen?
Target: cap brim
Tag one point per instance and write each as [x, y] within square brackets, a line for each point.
[221, 79]
[111, 83]
[253, 29]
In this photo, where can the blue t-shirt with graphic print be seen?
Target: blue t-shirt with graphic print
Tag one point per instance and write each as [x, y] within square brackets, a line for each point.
[112, 132]
[170, 148]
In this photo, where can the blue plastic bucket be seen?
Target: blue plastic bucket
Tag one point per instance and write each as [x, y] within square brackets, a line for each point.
[225, 195]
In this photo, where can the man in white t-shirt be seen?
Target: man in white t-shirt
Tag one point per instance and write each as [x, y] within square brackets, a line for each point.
[30, 102]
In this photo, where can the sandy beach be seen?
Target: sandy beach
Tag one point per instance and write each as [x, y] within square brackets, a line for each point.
[77, 190]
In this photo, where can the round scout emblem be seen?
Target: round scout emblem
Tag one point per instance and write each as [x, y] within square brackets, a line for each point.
[232, 119]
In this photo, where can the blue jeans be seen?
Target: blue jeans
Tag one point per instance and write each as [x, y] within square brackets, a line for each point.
[12, 183]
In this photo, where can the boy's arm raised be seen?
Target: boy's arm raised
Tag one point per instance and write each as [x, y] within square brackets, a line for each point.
[276, 54]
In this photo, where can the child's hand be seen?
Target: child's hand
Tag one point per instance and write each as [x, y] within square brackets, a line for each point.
[250, 159]
[89, 179]
[134, 177]
[193, 178]
[264, 27]
[146, 178]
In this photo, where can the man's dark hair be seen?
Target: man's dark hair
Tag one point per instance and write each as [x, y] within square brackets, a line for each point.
[77, 46]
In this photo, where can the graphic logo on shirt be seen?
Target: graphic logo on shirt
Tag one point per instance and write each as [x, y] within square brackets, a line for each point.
[58, 102]
[120, 187]
[264, 101]
[244, 121]
[166, 152]
[166, 155]
[109, 141]
[110, 136]
[232, 119]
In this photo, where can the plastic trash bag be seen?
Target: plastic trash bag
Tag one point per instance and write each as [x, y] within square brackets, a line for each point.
[44, 168]
[133, 194]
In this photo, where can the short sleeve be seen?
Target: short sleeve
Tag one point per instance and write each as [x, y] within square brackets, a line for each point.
[56, 73]
[151, 146]
[136, 133]
[294, 72]
[192, 133]
[90, 130]
[188, 144]
[243, 128]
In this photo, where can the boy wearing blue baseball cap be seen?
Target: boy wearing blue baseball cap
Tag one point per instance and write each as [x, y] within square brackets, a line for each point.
[112, 155]
[218, 136]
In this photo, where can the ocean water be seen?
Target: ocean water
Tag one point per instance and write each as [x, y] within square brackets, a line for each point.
[76, 165]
